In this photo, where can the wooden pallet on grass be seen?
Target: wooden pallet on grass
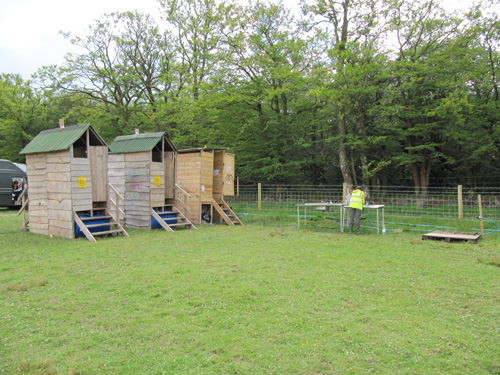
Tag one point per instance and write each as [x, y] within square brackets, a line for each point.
[452, 236]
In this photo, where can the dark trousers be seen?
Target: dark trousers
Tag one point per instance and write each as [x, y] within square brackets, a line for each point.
[354, 215]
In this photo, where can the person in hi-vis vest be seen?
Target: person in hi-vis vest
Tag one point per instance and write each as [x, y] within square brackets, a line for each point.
[356, 203]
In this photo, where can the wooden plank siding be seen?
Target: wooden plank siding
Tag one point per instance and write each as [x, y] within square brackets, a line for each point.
[137, 189]
[157, 192]
[81, 193]
[169, 174]
[98, 157]
[36, 166]
[116, 176]
[228, 174]
[189, 178]
[218, 175]
[207, 176]
[60, 200]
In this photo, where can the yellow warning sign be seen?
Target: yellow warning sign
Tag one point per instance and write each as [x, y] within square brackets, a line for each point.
[157, 181]
[82, 182]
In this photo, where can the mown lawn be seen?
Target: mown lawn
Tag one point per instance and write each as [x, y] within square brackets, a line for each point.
[258, 299]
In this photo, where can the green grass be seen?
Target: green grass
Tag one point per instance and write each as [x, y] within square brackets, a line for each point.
[448, 211]
[319, 220]
[258, 299]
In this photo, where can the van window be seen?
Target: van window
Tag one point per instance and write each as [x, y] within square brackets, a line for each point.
[18, 185]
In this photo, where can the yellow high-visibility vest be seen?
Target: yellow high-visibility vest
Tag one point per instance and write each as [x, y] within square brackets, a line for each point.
[356, 199]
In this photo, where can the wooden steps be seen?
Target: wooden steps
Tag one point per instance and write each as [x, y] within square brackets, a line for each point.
[226, 212]
[169, 217]
[98, 225]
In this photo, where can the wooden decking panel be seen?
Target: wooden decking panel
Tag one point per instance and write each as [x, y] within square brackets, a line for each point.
[452, 236]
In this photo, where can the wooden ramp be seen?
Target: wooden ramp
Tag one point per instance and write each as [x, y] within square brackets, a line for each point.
[98, 225]
[226, 212]
[169, 218]
[452, 236]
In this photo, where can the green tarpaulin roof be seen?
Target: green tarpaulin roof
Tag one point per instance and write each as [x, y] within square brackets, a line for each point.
[197, 149]
[137, 143]
[57, 140]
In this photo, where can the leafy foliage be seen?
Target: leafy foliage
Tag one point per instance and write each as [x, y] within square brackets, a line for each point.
[374, 92]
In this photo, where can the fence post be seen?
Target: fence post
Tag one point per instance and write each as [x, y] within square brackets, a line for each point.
[460, 203]
[259, 195]
[238, 186]
[481, 224]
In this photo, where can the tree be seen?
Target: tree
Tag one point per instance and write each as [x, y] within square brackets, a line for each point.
[473, 105]
[199, 28]
[352, 27]
[125, 69]
[22, 115]
[271, 58]
[199, 25]
[421, 82]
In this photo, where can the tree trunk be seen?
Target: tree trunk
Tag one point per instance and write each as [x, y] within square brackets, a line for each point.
[343, 159]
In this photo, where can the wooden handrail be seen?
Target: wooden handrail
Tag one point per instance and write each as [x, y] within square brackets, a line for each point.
[115, 191]
[116, 204]
[186, 207]
[118, 208]
[24, 192]
[24, 201]
[182, 191]
[24, 204]
[186, 196]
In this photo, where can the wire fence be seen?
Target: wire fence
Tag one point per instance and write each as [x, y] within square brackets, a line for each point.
[402, 200]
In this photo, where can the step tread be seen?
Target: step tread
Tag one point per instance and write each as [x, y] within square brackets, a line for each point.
[107, 232]
[94, 218]
[98, 225]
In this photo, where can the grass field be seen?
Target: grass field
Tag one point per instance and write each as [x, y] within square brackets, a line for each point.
[258, 299]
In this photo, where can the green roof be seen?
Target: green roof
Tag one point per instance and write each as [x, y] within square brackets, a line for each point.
[197, 149]
[57, 140]
[137, 143]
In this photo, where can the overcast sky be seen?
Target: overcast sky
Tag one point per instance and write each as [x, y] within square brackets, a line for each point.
[30, 29]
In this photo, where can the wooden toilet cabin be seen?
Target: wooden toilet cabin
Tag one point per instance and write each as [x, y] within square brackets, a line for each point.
[68, 184]
[142, 169]
[207, 174]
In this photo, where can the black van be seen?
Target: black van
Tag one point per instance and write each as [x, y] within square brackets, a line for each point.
[12, 183]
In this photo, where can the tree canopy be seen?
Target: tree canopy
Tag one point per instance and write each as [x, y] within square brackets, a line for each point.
[374, 92]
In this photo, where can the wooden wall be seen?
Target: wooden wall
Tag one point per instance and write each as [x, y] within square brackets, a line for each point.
[37, 180]
[98, 156]
[52, 180]
[195, 174]
[169, 174]
[141, 182]
[189, 178]
[137, 176]
[116, 175]
[81, 184]
[218, 182]
[59, 192]
[207, 176]
[228, 174]
[59, 184]
[157, 185]
[223, 174]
